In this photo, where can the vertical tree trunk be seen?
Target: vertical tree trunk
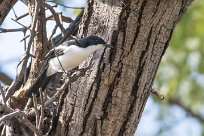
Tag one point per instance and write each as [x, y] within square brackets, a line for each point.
[40, 45]
[39, 50]
[110, 98]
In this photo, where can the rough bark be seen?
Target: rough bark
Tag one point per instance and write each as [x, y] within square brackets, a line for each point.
[40, 45]
[110, 98]
[39, 50]
[5, 7]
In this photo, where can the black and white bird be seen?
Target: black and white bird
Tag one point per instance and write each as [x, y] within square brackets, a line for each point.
[67, 56]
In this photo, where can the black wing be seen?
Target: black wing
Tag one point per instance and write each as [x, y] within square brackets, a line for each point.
[54, 52]
[60, 49]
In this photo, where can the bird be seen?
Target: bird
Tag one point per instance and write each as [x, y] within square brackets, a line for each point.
[66, 57]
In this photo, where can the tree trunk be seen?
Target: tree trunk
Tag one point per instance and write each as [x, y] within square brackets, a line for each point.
[5, 7]
[110, 98]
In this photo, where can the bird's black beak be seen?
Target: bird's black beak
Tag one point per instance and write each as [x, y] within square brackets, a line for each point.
[109, 46]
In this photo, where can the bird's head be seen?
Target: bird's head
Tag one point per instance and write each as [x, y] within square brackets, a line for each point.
[94, 41]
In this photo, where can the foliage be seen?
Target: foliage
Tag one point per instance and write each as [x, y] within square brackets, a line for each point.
[181, 73]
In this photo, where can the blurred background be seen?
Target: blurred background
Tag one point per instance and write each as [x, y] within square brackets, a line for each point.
[180, 76]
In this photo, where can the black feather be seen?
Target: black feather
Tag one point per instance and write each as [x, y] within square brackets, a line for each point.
[52, 53]
[41, 81]
[85, 42]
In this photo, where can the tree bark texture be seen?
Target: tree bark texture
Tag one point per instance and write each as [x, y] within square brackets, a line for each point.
[110, 98]
[40, 45]
[5, 7]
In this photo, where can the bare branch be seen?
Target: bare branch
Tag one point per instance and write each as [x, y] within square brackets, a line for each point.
[56, 17]
[21, 116]
[56, 95]
[28, 104]
[186, 108]
[60, 4]
[5, 78]
[42, 109]
[9, 116]
[3, 132]
[59, 61]
[67, 82]
[36, 109]
[3, 30]
[155, 92]
[25, 121]
[14, 13]
[64, 19]
[6, 7]
[53, 32]
[2, 95]
[69, 31]
[22, 16]
[19, 77]
[24, 38]
[21, 24]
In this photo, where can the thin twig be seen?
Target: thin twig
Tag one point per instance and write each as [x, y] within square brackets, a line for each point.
[188, 109]
[155, 92]
[37, 5]
[64, 19]
[69, 31]
[24, 38]
[24, 34]
[3, 30]
[21, 24]
[36, 109]
[42, 109]
[9, 116]
[56, 17]
[2, 95]
[27, 56]
[19, 63]
[21, 116]
[3, 132]
[67, 82]
[57, 3]
[28, 104]
[56, 95]
[59, 61]
[22, 16]
[53, 32]
[60, 17]
[14, 13]
[25, 121]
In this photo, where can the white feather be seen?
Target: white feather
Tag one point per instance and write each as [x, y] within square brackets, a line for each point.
[73, 56]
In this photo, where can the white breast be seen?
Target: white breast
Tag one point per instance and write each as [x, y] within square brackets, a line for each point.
[73, 56]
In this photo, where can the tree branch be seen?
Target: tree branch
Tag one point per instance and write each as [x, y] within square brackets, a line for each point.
[16, 83]
[64, 19]
[21, 116]
[186, 108]
[5, 78]
[56, 17]
[5, 7]
[59, 39]
[60, 4]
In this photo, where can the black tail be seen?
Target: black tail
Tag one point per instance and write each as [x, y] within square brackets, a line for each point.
[41, 82]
